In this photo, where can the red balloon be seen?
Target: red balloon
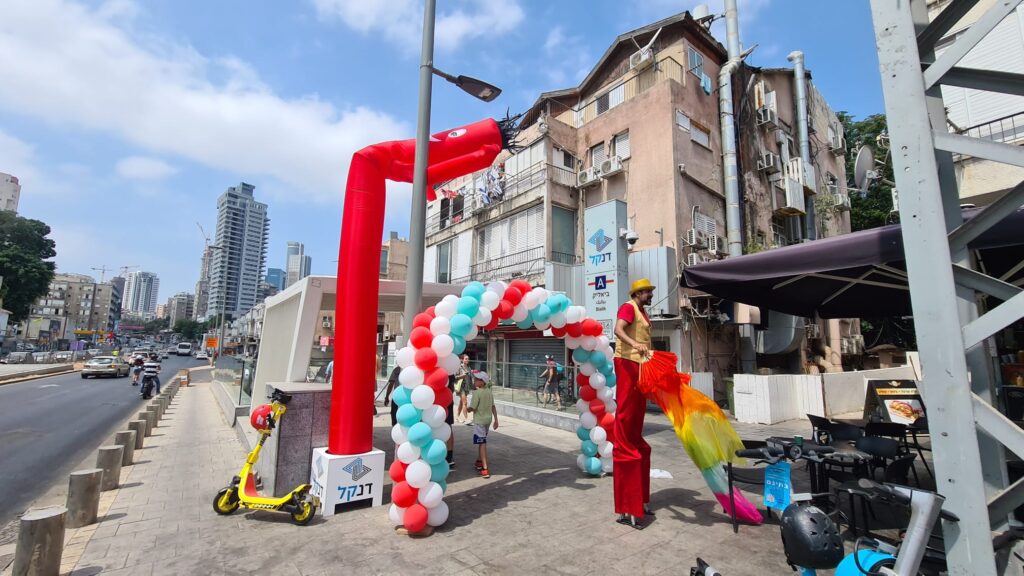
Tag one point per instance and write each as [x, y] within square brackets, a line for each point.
[426, 358]
[421, 337]
[443, 397]
[504, 310]
[430, 311]
[436, 379]
[588, 393]
[589, 325]
[608, 422]
[397, 471]
[422, 319]
[574, 330]
[415, 518]
[513, 295]
[597, 407]
[558, 332]
[403, 495]
[522, 285]
[582, 380]
[493, 323]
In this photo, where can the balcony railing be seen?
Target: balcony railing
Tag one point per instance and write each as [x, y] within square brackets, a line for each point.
[506, 267]
[1008, 129]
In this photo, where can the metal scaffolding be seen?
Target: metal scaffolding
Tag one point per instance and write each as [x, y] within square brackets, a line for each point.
[968, 433]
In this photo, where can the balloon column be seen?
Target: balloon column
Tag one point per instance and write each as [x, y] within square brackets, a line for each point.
[439, 335]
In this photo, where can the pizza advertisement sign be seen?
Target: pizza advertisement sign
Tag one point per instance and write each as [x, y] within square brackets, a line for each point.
[896, 401]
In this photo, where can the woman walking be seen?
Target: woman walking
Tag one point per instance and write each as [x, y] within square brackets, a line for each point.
[462, 384]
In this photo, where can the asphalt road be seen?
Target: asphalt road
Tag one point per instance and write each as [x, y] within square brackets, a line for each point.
[48, 425]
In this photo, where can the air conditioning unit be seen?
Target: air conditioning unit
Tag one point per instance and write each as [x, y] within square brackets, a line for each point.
[803, 174]
[611, 166]
[843, 202]
[838, 145]
[326, 323]
[769, 162]
[641, 59]
[794, 202]
[694, 259]
[767, 117]
[588, 177]
[697, 238]
[716, 245]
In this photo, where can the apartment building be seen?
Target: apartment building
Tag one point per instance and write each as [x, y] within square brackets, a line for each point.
[75, 307]
[236, 268]
[297, 263]
[10, 192]
[180, 307]
[394, 262]
[140, 293]
[643, 129]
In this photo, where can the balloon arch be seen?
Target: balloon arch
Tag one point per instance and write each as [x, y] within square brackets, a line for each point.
[439, 335]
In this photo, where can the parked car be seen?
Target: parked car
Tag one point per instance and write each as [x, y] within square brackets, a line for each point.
[94, 351]
[201, 355]
[62, 356]
[20, 358]
[112, 366]
[42, 357]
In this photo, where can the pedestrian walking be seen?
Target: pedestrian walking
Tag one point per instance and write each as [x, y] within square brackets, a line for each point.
[392, 383]
[484, 416]
[462, 384]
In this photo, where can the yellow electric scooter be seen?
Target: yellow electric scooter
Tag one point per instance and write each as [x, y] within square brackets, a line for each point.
[242, 491]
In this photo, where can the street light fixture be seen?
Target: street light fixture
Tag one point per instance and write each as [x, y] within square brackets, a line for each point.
[418, 214]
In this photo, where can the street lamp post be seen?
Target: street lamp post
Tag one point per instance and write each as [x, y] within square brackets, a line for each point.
[223, 303]
[418, 214]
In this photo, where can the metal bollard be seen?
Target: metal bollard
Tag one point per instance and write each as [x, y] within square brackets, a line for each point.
[139, 427]
[144, 415]
[83, 497]
[40, 542]
[109, 460]
[126, 439]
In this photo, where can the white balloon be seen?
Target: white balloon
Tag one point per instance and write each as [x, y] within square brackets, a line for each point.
[542, 294]
[410, 377]
[581, 405]
[603, 342]
[422, 397]
[498, 287]
[489, 300]
[442, 431]
[572, 342]
[453, 298]
[407, 452]
[558, 320]
[530, 300]
[588, 343]
[606, 449]
[587, 369]
[433, 415]
[431, 495]
[542, 325]
[610, 406]
[606, 465]
[418, 474]
[400, 434]
[520, 312]
[604, 394]
[581, 462]
[396, 515]
[406, 356]
[597, 380]
[609, 354]
[437, 515]
[598, 435]
[444, 309]
[450, 364]
[440, 325]
[483, 317]
[442, 344]
[473, 332]
[574, 314]
[587, 420]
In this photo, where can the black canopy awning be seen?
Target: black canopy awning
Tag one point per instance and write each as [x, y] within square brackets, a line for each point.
[862, 274]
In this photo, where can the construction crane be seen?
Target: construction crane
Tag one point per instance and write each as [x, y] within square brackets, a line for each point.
[103, 272]
[206, 237]
[124, 269]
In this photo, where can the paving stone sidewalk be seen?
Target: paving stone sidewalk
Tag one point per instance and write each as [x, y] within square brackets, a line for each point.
[536, 515]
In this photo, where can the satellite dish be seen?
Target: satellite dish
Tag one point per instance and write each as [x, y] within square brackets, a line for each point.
[864, 168]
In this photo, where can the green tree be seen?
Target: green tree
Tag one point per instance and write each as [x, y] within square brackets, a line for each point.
[155, 326]
[189, 329]
[24, 251]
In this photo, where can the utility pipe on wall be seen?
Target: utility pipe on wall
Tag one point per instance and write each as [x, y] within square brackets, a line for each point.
[800, 88]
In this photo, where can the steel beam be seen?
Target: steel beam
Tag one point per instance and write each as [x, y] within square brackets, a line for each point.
[1005, 502]
[984, 283]
[1010, 202]
[998, 426]
[987, 80]
[987, 149]
[943, 23]
[969, 40]
[993, 321]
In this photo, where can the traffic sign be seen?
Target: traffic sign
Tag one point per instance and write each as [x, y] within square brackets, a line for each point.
[211, 342]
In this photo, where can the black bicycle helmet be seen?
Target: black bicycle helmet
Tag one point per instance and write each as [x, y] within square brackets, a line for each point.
[810, 538]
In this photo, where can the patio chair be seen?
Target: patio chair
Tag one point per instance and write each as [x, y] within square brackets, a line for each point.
[895, 431]
[821, 429]
[843, 432]
[920, 428]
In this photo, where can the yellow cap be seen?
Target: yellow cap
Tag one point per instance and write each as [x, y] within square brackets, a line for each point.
[641, 284]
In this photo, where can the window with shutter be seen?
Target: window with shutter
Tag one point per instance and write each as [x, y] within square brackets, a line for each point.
[695, 62]
[700, 135]
[597, 155]
[621, 145]
[602, 103]
[682, 120]
[568, 161]
[616, 95]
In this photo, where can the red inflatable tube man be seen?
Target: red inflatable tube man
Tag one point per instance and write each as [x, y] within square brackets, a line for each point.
[453, 153]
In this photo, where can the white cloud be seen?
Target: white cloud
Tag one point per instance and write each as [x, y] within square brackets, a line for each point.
[401, 21]
[144, 168]
[555, 39]
[567, 59]
[67, 64]
[18, 158]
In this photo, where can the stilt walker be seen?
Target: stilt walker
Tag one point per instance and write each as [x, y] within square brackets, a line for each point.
[632, 454]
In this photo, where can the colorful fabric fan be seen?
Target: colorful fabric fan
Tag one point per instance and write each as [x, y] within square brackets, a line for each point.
[700, 425]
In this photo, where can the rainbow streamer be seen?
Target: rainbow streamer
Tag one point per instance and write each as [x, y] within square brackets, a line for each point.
[705, 433]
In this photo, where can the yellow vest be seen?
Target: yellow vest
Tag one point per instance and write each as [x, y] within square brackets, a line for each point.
[639, 330]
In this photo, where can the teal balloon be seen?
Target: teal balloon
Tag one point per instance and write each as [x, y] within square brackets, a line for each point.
[542, 313]
[460, 345]
[593, 466]
[608, 369]
[525, 324]
[439, 471]
[401, 396]
[598, 359]
[436, 451]
[580, 355]
[442, 484]
[609, 379]
[474, 289]
[468, 305]
[408, 415]
[461, 325]
[588, 447]
[582, 433]
[420, 434]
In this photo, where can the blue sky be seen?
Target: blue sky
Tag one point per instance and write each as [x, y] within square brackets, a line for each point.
[126, 119]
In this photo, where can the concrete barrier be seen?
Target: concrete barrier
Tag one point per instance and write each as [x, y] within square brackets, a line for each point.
[109, 460]
[144, 415]
[83, 497]
[126, 440]
[155, 410]
[40, 542]
[139, 427]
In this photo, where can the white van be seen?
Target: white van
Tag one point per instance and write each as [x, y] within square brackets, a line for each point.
[184, 349]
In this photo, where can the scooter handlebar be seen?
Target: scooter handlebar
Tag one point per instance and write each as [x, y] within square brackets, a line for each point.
[765, 453]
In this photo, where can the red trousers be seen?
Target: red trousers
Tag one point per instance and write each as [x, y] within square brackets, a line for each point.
[632, 454]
